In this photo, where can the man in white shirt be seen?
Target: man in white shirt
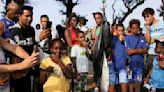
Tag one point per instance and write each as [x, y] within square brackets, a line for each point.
[43, 34]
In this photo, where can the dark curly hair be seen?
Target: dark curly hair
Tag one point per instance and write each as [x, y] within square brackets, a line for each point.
[134, 21]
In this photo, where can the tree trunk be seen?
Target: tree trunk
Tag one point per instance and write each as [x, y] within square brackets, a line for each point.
[69, 8]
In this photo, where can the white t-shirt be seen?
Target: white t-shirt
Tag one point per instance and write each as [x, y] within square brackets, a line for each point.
[81, 58]
[43, 55]
[84, 28]
[54, 34]
[156, 31]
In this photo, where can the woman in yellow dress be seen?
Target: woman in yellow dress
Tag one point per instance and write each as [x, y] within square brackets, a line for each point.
[56, 70]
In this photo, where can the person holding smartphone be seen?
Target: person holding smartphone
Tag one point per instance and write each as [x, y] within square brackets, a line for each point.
[44, 35]
[29, 61]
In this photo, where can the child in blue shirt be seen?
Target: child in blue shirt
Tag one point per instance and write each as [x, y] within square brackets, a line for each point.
[136, 46]
[119, 57]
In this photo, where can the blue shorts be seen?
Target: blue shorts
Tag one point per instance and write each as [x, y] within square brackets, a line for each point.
[136, 76]
[121, 76]
[112, 74]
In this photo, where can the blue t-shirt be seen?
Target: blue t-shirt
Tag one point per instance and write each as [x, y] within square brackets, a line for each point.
[136, 42]
[157, 76]
[8, 23]
[119, 57]
[156, 31]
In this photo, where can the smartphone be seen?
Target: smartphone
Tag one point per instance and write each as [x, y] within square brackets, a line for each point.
[49, 24]
[36, 49]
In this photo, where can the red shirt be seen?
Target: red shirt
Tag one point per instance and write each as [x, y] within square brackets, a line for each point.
[73, 36]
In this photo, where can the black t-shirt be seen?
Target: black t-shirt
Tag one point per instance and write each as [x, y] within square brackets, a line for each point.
[24, 37]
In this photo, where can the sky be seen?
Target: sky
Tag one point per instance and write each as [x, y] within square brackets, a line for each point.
[86, 8]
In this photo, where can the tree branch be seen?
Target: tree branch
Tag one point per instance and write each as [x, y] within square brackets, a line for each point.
[113, 10]
[131, 10]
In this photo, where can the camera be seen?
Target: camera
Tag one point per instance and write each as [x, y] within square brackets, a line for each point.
[36, 49]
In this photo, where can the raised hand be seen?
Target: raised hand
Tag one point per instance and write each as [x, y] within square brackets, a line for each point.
[44, 34]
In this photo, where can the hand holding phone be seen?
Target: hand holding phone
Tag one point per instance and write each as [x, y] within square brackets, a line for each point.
[36, 49]
[49, 24]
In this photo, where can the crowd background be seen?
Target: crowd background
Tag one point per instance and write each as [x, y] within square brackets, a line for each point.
[65, 53]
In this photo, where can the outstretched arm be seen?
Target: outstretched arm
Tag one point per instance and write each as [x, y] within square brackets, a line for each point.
[26, 63]
[15, 49]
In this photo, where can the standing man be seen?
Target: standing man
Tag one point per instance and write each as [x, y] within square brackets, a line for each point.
[43, 34]
[9, 19]
[23, 35]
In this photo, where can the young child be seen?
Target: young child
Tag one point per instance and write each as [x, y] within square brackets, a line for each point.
[136, 46]
[80, 59]
[56, 70]
[119, 57]
[157, 71]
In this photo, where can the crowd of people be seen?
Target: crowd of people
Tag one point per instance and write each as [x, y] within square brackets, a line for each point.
[41, 59]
